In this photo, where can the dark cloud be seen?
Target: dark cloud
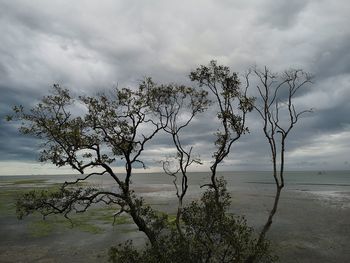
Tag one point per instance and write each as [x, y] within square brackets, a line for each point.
[333, 59]
[281, 14]
[88, 47]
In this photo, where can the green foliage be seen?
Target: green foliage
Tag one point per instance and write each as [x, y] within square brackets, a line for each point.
[151, 218]
[210, 234]
[114, 129]
[126, 253]
[232, 103]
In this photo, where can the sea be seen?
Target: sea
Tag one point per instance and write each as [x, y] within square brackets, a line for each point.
[312, 223]
[326, 185]
[322, 182]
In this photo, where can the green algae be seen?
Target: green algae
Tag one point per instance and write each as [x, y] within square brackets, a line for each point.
[29, 181]
[8, 199]
[40, 228]
[92, 222]
[96, 220]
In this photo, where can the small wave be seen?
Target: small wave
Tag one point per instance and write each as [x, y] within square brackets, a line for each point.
[334, 198]
[259, 182]
[292, 183]
[327, 184]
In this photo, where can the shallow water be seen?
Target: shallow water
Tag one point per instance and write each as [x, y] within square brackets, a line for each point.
[312, 223]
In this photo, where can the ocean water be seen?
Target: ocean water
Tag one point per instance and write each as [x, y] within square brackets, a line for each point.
[326, 185]
[326, 182]
[311, 224]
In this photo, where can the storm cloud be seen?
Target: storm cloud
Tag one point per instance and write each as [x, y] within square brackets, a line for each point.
[89, 46]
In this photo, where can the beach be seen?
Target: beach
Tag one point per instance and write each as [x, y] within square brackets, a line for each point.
[312, 223]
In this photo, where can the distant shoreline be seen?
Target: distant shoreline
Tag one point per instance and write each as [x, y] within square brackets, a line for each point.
[194, 172]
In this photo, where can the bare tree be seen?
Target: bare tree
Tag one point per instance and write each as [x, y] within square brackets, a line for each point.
[277, 110]
[183, 105]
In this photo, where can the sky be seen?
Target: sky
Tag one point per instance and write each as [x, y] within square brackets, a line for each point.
[89, 46]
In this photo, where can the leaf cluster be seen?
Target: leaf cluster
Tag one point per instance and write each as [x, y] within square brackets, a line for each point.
[210, 234]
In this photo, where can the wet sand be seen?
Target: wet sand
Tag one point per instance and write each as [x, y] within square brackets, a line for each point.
[306, 228]
[310, 226]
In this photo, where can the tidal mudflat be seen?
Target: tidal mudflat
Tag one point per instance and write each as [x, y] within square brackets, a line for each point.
[312, 224]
